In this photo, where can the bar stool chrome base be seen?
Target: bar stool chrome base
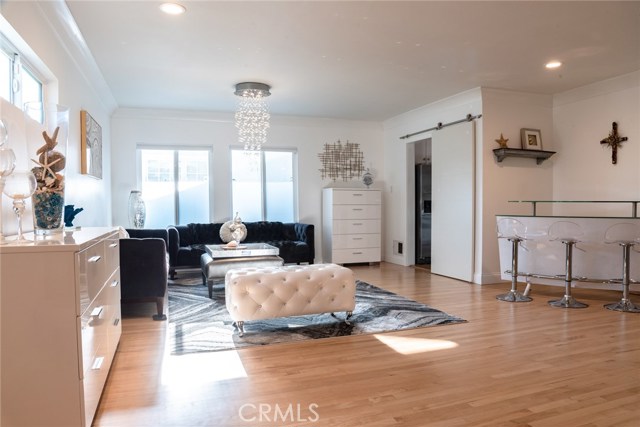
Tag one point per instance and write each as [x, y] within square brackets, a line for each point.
[513, 230]
[628, 236]
[514, 296]
[623, 305]
[568, 302]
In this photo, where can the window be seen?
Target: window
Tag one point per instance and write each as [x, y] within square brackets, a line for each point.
[18, 83]
[175, 185]
[264, 185]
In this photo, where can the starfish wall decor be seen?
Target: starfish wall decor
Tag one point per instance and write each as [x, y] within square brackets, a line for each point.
[502, 141]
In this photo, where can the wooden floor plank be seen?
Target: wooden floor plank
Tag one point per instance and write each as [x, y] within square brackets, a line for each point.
[524, 364]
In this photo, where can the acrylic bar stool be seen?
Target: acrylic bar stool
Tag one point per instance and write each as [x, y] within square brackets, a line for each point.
[514, 231]
[568, 233]
[626, 235]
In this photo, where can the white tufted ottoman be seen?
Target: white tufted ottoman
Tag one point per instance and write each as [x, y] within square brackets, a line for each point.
[256, 293]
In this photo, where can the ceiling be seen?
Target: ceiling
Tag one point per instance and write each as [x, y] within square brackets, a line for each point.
[356, 60]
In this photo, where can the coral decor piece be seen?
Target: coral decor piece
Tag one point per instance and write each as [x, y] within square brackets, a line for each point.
[70, 212]
[48, 199]
[342, 161]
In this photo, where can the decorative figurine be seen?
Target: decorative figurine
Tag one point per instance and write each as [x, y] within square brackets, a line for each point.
[367, 178]
[238, 229]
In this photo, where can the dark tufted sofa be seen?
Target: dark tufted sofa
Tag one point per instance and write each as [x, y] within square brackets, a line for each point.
[186, 242]
[144, 267]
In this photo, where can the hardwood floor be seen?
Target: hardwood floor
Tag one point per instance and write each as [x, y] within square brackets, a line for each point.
[523, 364]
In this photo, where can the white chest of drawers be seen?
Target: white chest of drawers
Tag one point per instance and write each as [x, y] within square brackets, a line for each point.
[351, 225]
[60, 327]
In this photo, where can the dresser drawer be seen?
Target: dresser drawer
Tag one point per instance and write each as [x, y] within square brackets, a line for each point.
[357, 211]
[347, 256]
[357, 197]
[91, 268]
[114, 325]
[95, 360]
[356, 226]
[355, 241]
[112, 254]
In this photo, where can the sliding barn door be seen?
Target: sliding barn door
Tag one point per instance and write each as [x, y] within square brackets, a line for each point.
[453, 183]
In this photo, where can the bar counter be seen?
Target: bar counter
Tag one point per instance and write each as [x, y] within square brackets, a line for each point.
[594, 261]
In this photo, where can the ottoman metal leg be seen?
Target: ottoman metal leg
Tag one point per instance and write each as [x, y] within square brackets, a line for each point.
[239, 325]
[346, 320]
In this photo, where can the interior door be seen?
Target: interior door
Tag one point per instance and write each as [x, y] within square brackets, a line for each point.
[453, 181]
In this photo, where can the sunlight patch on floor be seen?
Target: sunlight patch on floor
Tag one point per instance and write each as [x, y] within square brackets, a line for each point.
[202, 368]
[404, 345]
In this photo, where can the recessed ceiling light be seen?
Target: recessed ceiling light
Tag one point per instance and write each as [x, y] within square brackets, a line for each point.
[173, 8]
[553, 64]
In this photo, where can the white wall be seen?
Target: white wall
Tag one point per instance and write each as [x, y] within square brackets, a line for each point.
[132, 127]
[582, 167]
[398, 201]
[507, 112]
[47, 29]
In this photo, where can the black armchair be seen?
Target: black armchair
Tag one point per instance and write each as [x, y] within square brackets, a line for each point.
[144, 268]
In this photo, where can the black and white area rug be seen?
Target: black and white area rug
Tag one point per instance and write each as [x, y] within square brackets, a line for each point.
[200, 324]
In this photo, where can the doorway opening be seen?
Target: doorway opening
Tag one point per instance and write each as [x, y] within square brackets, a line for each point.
[422, 156]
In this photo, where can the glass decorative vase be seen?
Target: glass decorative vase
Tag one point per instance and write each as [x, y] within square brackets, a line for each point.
[48, 130]
[137, 209]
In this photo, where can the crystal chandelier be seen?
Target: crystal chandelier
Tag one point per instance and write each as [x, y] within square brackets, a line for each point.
[252, 117]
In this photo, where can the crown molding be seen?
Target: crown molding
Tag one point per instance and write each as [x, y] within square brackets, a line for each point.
[61, 21]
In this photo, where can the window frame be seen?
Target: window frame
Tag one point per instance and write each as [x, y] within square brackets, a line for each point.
[176, 149]
[263, 173]
[19, 66]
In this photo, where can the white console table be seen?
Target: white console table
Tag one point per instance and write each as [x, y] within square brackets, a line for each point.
[60, 326]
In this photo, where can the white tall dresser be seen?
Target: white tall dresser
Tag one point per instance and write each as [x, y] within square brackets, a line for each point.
[60, 326]
[351, 225]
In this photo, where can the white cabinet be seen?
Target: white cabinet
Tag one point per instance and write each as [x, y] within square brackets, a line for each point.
[351, 225]
[60, 326]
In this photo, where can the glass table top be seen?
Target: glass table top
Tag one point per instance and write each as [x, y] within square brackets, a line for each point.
[242, 250]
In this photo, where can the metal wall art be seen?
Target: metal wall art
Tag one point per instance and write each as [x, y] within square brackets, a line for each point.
[340, 160]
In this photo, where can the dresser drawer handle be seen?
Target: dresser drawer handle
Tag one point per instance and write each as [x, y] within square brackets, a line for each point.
[357, 209]
[97, 363]
[114, 283]
[357, 253]
[356, 223]
[113, 245]
[95, 258]
[358, 194]
[357, 238]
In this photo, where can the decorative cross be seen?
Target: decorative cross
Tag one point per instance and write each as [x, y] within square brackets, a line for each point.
[614, 140]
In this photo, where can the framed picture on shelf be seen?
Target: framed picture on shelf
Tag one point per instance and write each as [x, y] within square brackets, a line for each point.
[531, 139]
[91, 146]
